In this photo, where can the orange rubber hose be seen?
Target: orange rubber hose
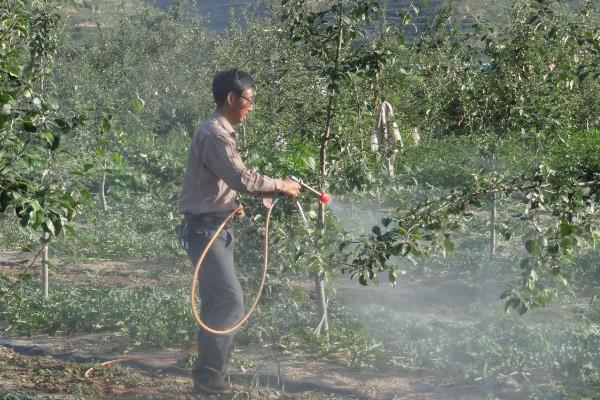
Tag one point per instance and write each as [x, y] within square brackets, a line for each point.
[120, 389]
[260, 286]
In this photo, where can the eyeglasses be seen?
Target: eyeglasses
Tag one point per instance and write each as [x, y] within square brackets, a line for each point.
[251, 101]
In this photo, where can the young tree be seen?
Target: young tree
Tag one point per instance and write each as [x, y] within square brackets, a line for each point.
[336, 33]
[30, 126]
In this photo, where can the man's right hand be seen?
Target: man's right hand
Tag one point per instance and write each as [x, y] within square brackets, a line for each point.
[290, 188]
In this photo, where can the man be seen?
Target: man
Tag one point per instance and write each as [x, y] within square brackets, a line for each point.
[215, 173]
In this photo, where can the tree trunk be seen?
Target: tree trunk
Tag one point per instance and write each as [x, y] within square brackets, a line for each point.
[493, 226]
[46, 236]
[102, 191]
[44, 275]
[319, 284]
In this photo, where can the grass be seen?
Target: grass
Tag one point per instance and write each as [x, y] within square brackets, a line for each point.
[152, 316]
[17, 395]
[146, 315]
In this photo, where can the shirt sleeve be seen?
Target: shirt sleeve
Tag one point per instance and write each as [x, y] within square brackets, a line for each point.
[222, 159]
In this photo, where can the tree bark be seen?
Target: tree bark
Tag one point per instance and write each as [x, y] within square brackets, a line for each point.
[493, 226]
[102, 191]
[44, 272]
[319, 284]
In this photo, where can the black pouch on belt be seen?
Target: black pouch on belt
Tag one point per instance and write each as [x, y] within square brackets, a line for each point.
[202, 222]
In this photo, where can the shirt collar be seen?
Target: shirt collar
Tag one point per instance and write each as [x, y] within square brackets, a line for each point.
[221, 120]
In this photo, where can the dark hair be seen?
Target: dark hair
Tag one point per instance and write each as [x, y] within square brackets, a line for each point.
[232, 80]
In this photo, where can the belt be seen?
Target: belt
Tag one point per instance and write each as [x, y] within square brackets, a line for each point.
[204, 218]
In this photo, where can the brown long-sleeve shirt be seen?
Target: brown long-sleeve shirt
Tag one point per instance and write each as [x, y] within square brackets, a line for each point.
[215, 172]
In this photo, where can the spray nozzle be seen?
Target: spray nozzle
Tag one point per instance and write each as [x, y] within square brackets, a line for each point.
[322, 196]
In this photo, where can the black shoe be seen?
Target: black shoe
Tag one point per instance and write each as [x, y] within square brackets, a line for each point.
[212, 385]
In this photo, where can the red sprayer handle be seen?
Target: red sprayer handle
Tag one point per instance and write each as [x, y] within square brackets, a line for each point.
[324, 198]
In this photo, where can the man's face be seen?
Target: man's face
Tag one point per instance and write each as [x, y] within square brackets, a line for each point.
[242, 105]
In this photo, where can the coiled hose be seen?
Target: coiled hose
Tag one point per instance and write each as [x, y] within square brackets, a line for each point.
[246, 315]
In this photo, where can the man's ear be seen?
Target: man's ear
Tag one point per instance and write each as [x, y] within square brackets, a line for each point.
[230, 100]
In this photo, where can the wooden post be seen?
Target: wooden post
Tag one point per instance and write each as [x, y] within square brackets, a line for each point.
[493, 226]
[46, 236]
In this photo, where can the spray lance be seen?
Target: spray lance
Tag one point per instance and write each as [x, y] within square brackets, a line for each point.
[323, 197]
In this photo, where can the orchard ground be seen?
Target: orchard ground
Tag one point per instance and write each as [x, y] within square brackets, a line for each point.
[406, 363]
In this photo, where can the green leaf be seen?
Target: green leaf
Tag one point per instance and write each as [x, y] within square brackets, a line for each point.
[309, 163]
[476, 201]
[106, 125]
[5, 97]
[138, 104]
[48, 226]
[533, 275]
[69, 229]
[14, 70]
[85, 194]
[566, 229]
[567, 243]
[362, 280]
[116, 157]
[553, 249]
[29, 126]
[35, 205]
[28, 248]
[371, 274]
[376, 230]
[55, 143]
[531, 246]
[39, 219]
[448, 245]
[48, 136]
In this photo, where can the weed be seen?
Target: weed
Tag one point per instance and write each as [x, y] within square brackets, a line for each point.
[17, 395]
[146, 316]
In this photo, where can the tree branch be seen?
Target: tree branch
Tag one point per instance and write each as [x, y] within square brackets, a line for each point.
[23, 274]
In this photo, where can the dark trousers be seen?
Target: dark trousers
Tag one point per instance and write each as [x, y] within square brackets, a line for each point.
[221, 296]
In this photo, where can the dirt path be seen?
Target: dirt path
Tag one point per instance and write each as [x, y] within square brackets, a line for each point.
[157, 375]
